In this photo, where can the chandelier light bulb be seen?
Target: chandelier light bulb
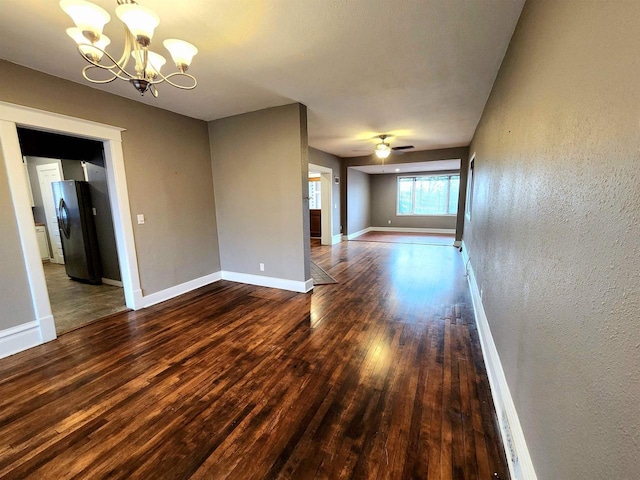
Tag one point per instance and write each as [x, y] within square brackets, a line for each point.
[89, 18]
[140, 21]
[154, 62]
[88, 50]
[181, 52]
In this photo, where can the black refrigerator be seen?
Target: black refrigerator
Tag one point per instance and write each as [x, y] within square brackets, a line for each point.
[77, 231]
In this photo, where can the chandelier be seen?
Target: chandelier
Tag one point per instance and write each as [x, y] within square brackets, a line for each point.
[139, 24]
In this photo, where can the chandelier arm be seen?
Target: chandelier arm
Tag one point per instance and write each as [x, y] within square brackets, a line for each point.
[110, 68]
[181, 74]
[109, 80]
[124, 59]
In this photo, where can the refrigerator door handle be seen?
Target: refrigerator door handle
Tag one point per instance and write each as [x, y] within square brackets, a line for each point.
[63, 218]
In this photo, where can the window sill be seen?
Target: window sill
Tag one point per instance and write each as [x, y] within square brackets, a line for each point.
[429, 215]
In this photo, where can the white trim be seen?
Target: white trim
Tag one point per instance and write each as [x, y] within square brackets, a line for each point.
[56, 122]
[19, 338]
[468, 201]
[10, 117]
[122, 223]
[520, 465]
[272, 282]
[113, 283]
[326, 201]
[353, 235]
[336, 239]
[177, 290]
[24, 219]
[444, 231]
[308, 286]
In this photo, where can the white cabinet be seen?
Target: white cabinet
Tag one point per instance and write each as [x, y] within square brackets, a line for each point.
[43, 244]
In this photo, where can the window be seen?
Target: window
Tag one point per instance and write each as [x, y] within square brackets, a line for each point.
[428, 194]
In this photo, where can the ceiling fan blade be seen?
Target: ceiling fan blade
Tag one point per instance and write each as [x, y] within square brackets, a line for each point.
[403, 147]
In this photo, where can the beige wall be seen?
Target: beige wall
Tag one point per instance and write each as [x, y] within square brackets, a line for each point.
[384, 201]
[260, 167]
[358, 201]
[323, 159]
[168, 171]
[554, 236]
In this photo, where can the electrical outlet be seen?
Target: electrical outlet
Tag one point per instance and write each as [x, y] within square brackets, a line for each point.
[94, 211]
[389, 222]
[262, 267]
[480, 294]
[140, 219]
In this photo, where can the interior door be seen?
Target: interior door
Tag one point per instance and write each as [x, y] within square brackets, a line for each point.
[51, 172]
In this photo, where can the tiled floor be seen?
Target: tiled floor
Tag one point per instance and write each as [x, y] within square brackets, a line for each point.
[75, 304]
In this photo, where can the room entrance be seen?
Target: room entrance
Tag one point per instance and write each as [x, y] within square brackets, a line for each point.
[70, 202]
[42, 328]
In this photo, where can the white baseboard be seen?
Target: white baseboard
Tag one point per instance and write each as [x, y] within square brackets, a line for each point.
[518, 456]
[177, 290]
[336, 239]
[444, 231]
[19, 338]
[308, 285]
[353, 235]
[263, 281]
[114, 283]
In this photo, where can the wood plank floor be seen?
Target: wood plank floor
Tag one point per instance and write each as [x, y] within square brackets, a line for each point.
[406, 237]
[378, 377]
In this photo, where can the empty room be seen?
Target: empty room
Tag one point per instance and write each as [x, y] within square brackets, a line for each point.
[365, 239]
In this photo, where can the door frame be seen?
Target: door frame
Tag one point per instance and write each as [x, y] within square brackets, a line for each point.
[14, 116]
[50, 227]
[326, 202]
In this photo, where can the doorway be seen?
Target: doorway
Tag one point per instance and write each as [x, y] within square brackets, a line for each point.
[323, 176]
[85, 286]
[42, 329]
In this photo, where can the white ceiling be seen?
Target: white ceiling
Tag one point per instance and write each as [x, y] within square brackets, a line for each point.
[432, 166]
[419, 69]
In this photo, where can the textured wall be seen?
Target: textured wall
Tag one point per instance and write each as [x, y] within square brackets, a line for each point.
[554, 236]
[384, 200]
[260, 166]
[358, 201]
[318, 157]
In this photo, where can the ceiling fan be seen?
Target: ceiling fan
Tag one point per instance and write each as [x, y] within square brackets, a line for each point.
[383, 149]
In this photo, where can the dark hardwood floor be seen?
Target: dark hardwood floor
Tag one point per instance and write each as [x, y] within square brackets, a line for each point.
[379, 376]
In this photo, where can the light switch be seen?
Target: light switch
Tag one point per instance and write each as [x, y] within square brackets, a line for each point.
[140, 219]
[94, 211]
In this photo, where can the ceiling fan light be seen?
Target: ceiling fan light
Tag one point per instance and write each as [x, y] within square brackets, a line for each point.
[383, 150]
[89, 18]
[154, 62]
[89, 51]
[181, 52]
[140, 21]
